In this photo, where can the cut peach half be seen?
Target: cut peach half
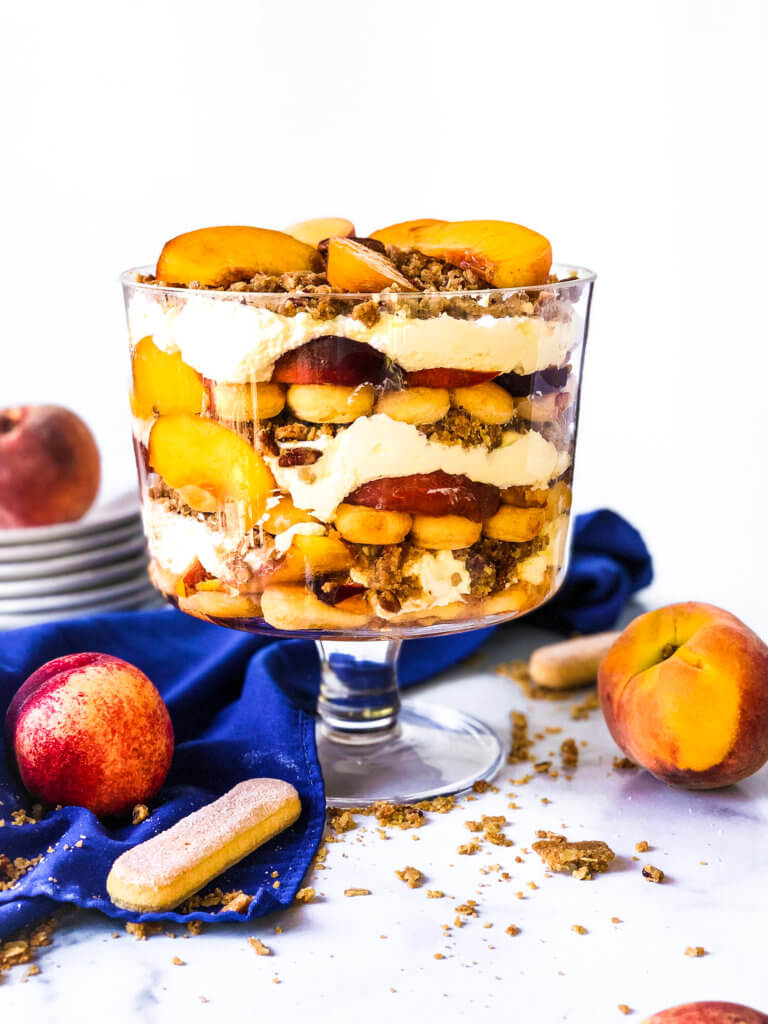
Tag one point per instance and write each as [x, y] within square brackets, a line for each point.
[186, 450]
[506, 255]
[353, 267]
[163, 383]
[317, 229]
[405, 234]
[215, 257]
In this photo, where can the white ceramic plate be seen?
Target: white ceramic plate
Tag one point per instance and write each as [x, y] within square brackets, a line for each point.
[74, 582]
[116, 512]
[72, 563]
[65, 603]
[140, 601]
[37, 552]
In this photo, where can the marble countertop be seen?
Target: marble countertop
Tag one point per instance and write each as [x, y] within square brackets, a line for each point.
[375, 956]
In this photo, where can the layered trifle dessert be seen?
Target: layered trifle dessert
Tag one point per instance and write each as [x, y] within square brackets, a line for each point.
[356, 434]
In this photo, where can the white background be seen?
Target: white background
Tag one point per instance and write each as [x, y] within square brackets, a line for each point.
[631, 134]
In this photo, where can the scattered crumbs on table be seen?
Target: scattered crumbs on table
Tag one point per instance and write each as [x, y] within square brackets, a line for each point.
[411, 876]
[258, 946]
[653, 874]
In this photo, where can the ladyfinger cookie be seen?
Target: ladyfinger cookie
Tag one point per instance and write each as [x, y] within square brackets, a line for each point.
[570, 662]
[164, 871]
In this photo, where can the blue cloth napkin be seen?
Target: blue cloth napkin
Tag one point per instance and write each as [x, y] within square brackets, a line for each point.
[241, 708]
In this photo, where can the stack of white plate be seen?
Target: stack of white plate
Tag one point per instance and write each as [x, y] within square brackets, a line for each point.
[97, 564]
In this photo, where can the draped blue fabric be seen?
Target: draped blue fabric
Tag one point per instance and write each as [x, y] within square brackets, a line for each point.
[241, 708]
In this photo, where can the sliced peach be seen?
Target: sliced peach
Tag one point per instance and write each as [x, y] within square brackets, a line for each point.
[198, 498]
[405, 234]
[504, 254]
[284, 515]
[162, 383]
[217, 605]
[215, 257]
[186, 450]
[317, 229]
[353, 267]
[311, 555]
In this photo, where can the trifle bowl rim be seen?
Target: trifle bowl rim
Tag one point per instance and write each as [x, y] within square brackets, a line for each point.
[583, 276]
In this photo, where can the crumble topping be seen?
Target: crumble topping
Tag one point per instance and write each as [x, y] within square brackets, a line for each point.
[581, 859]
[695, 951]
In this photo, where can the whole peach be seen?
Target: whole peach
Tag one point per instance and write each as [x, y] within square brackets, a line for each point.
[49, 466]
[91, 730]
[684, 691]
[708, 1013]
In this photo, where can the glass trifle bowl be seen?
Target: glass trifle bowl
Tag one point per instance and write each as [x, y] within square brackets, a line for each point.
[359, 468]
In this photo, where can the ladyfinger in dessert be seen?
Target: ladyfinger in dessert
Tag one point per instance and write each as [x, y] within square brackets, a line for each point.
[162, 872]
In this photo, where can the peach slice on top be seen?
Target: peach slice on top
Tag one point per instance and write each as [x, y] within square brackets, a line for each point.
[353, 267]
[506, 255]
[215, 257]
[317, 229]
[405, 235]
[163, 384]
[186, 450]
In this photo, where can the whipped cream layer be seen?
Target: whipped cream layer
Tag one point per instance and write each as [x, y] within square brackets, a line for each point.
[377, 446]
[231, 340]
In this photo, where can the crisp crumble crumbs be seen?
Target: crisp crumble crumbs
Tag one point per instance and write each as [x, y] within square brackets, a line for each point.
[435, 894]
[357, 892]
[695, 951]
[579, 929]
[258, 946]
[582, 859]
[653, 874]
[305, 895]
[139, 813]
[642, 846]
[623, 764]
[411, 876]
[623, 1008]
[512, 929]
[178, 962]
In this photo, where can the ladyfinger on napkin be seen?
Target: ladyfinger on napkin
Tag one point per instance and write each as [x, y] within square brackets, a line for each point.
[162, 872]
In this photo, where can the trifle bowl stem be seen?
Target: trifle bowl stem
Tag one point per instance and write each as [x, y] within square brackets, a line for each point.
[373, 747]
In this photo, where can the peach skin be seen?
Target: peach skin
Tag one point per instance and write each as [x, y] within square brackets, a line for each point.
[405, 235]
[708, 1013]
[215, 257]
[90, 729]
[50, 468]
[684, 691]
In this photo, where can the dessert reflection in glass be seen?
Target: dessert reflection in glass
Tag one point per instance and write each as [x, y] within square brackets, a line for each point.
[360, 440]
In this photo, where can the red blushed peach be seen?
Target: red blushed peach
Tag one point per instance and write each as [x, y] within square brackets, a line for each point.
[49, 466]
[90, 730]
[684, 691]
[708, 1013]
